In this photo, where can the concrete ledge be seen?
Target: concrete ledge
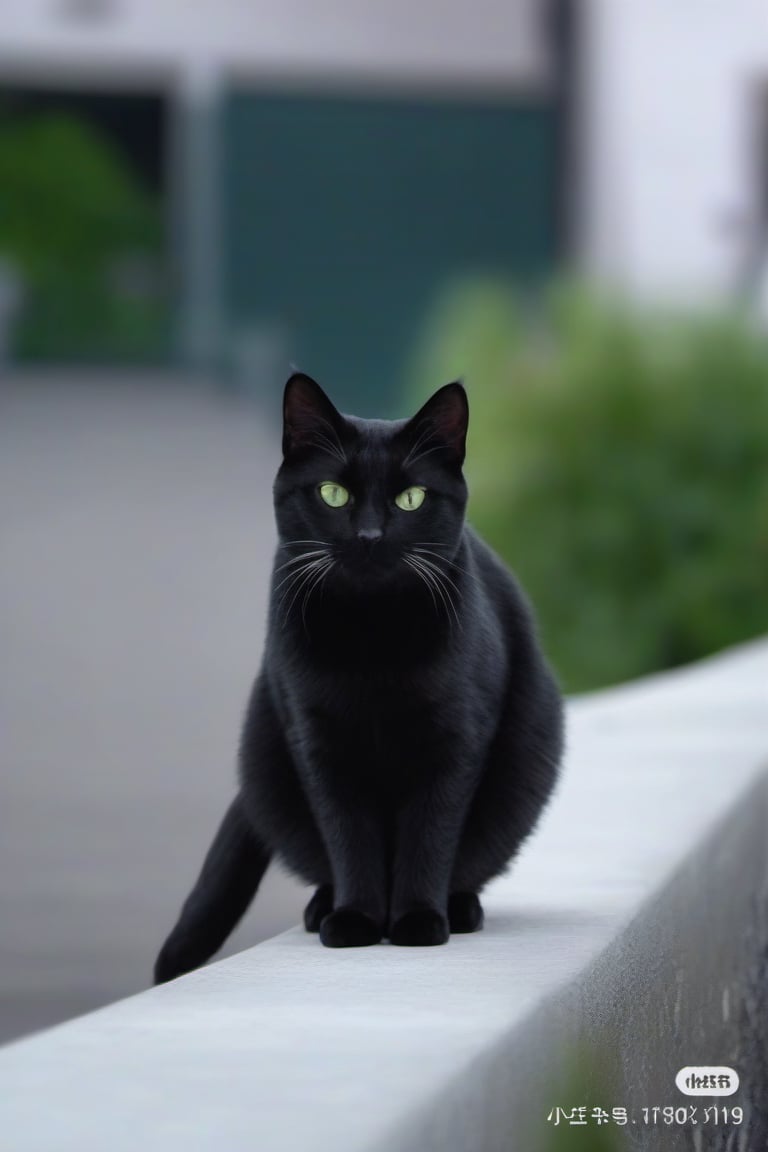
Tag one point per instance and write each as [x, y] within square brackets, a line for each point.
[631, 935]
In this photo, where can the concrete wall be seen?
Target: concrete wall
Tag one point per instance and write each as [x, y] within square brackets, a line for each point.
[629, 940]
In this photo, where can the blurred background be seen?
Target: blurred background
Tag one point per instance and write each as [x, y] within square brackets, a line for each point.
[565, 203]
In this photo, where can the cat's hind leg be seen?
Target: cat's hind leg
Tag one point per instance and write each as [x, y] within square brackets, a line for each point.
[465, 912]
[318, 908]
[520, 774]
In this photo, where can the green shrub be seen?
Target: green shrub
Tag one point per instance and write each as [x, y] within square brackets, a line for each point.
[71, 211]
[619, 463]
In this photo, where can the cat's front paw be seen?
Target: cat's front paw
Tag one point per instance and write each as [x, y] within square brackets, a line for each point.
[419, 928]
[348, 928]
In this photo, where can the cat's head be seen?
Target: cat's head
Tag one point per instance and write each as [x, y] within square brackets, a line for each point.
[381, 499]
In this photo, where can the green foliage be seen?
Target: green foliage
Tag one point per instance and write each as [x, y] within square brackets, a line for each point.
[71, 210]
[619, 462]
[585, 1081]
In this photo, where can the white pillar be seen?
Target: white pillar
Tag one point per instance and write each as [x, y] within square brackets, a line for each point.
[195, 181]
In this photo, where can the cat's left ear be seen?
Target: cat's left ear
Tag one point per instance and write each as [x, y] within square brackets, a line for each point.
[441, 424]
[309, 418]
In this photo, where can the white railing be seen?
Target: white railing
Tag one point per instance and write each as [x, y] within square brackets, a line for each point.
[629, 940]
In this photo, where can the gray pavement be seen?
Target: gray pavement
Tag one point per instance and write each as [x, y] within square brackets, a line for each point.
[136, 538]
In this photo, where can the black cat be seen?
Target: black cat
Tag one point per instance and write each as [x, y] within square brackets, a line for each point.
[404, 732]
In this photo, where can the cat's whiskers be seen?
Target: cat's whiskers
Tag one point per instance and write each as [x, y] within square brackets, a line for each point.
[309, 581]
[318, 580]
[438, 579]
[445, 560]
[305, 562]
[288, 543]
[304, 575]
[442, 592]
[441, 575]
[303, 556]
[415, 459]
[304, 566]
[296, 575]
[424, 580]
[322, 442]
[297, 579]
[428, 433]
[337, 448]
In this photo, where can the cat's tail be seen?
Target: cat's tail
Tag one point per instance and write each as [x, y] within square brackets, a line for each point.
[231, 873]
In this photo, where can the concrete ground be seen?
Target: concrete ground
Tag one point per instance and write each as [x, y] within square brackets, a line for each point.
[137, 536]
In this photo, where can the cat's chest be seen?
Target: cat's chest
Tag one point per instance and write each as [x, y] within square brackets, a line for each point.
[381, 721]
[381, 711]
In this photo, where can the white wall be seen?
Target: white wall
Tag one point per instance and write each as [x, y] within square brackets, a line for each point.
[486, 41]
[669, 100]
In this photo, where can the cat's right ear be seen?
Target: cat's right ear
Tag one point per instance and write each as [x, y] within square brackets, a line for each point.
[309, 417]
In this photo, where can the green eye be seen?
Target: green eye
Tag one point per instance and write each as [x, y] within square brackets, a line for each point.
[334, 495]
[411, 499]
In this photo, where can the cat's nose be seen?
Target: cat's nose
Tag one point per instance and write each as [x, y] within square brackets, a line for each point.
[369, 536]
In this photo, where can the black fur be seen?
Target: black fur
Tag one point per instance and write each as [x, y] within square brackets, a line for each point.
[405, 731]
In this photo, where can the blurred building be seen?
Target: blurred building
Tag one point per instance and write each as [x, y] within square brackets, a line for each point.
[242, 183]
[675, 168]
[280, 181]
